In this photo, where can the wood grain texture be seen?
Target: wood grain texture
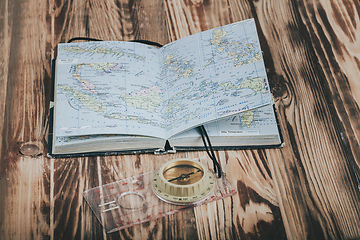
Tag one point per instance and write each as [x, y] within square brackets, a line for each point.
[321, 170]
[307, 189]
[25, 200]
[252, 214]
[335, 37]
[4, 57]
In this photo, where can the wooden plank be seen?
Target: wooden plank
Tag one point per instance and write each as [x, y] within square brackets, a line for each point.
[5, 36]
[333, 37]
[313, 173]
[4, 48]
[254, 212]
[147, 16]
[24, 191]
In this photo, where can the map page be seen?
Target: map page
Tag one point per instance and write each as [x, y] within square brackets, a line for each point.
[129, 88]
[213, 74]
[108, 88]
[256, 122]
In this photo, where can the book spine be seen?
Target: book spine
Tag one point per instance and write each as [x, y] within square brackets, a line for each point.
[51, 110]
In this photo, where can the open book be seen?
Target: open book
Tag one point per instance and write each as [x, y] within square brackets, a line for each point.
[116, 96]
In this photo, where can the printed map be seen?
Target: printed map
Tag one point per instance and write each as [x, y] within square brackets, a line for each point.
[255, 122]
[107, 88]
[132, 88]
[213, 74]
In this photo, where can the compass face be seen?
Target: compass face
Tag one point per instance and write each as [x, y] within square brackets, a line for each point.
[183, 181]
[183, 172]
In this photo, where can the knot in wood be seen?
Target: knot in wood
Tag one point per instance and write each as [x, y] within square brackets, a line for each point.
[30, 149]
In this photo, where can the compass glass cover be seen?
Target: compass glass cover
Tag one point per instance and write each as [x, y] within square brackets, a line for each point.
[183, 173]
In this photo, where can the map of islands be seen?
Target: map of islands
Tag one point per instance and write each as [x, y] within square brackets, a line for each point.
[99, 50]
[147, 98]
[247, 118]
[131, 86]
[85, 99]
[241, 52]
[257, 84]
[101, 68]
[182, 69]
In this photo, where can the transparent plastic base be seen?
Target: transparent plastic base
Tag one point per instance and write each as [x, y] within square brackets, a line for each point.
[131, 201]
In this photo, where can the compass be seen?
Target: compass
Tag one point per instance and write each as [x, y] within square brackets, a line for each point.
[183, 181]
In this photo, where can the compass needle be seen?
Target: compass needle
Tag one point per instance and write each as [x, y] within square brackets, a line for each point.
[182, 176]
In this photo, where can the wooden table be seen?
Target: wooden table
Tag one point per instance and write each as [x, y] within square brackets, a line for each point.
[307, 189]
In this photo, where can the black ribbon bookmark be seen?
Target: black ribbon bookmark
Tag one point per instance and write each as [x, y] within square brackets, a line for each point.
[210, 150]
[97, 40]
[83, 39]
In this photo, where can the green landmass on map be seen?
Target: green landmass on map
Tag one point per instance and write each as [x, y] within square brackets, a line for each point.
[248, 118]
[183, 69]
[100, 50]
[241, 54]
[256, 84]
[148, 99]
[86, 99]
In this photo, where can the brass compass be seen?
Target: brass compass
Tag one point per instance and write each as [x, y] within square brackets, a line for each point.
[183, 181]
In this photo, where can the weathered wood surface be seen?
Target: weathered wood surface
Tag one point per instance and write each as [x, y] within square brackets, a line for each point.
[307, 190]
